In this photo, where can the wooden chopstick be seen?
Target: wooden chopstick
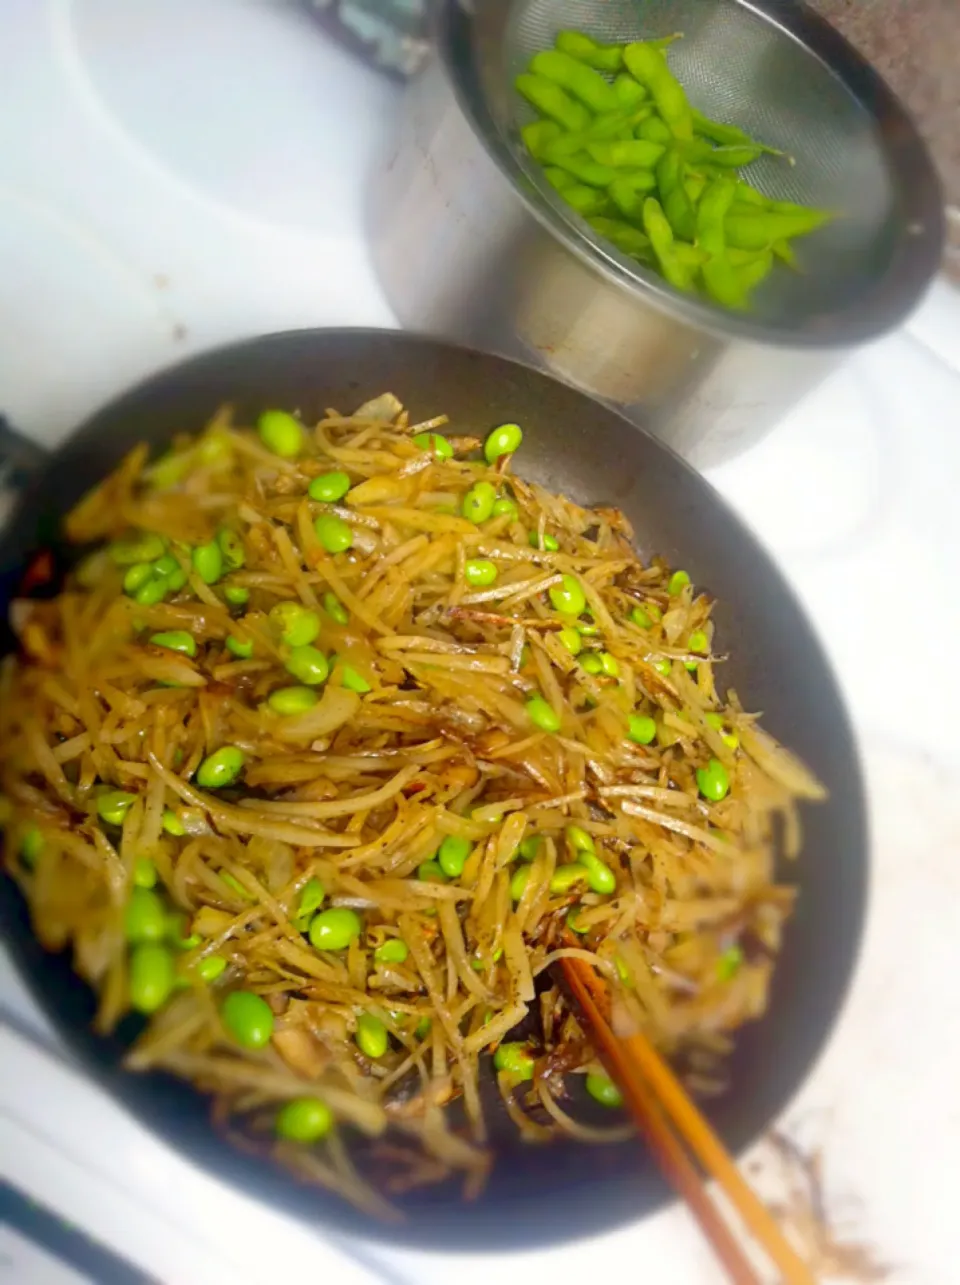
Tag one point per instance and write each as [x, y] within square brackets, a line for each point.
[660, 1105]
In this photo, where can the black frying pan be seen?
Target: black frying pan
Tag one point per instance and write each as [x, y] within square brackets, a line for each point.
[572, 445]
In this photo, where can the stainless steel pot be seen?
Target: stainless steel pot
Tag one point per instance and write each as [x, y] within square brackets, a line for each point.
[467, 244]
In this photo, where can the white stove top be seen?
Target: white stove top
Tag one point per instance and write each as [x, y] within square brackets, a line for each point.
[177, 173]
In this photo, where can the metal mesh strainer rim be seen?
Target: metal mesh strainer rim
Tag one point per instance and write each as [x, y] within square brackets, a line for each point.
[885, 305]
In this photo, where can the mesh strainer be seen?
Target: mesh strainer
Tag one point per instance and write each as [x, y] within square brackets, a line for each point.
[786, 77]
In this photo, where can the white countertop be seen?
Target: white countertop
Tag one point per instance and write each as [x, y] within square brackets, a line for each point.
[177, 173]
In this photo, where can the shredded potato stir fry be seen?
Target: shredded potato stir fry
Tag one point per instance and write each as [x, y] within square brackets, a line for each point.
[336, 741]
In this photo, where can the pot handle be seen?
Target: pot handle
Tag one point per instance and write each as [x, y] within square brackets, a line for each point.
[391, 36]
[20, 459]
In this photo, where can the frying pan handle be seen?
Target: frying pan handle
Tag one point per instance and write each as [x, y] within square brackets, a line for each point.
[20, 458]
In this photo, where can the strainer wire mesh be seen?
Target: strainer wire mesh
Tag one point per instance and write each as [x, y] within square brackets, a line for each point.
[737, 65]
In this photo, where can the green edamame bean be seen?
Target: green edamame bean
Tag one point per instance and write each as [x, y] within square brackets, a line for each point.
[579, 839]
[552, 101]
[235, 886]
[748, 195]
[713, 781]
[290, 701]
[311, 897]
[436, 442]
[335, 535]
[649, 66]
[568, 596]
[729, 737]
[711, 213]
[431, 872]
[373, 1039]
[505, 508]
[641, 617]
[689, 256]
[591, 663]
[504, 440]
[585, 169]
[335, 929]
[453, 854]
[171, 570]
[221, 768]
[658, 229]
[208, 562]
[241, 648]
[309, 665]
[603, 1090]
[515, 1060]
[759, 267]
[550, 543]
[677, 583]
[618, 124]
[519, 881]
[176, 640]
[31, 845]
[151, 977]
[627, 154]
[655, 131]
[573, 921]
[586, 200]
[567, 877]
[663, 667]
[626, 238]
[394, 951]
[236, 595]
[629, 91]
[479, 572]
[729, 963]
[329, 488]
[542, 715]
[561, 181]
[580, 46]
[759, 230]
[537, 136]
[609, 665]
[642, 729]
[210, 968]
[137, 576]
[297, 625]
[575, 78]
[152, 592]
[728, 135]
[304, 1120]
[529, 847]
[723, 283]
[335, 609]
[478, 502]
[632, 183]
[145, 918]
[248, 1018]
[600, 878]
[172, 824]
[694, 185]
[144, 547]
[114, 805]
[677, 206]
[231, 549]
[144, 873]
[352, 681]
[570, 637]
[280, 433]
